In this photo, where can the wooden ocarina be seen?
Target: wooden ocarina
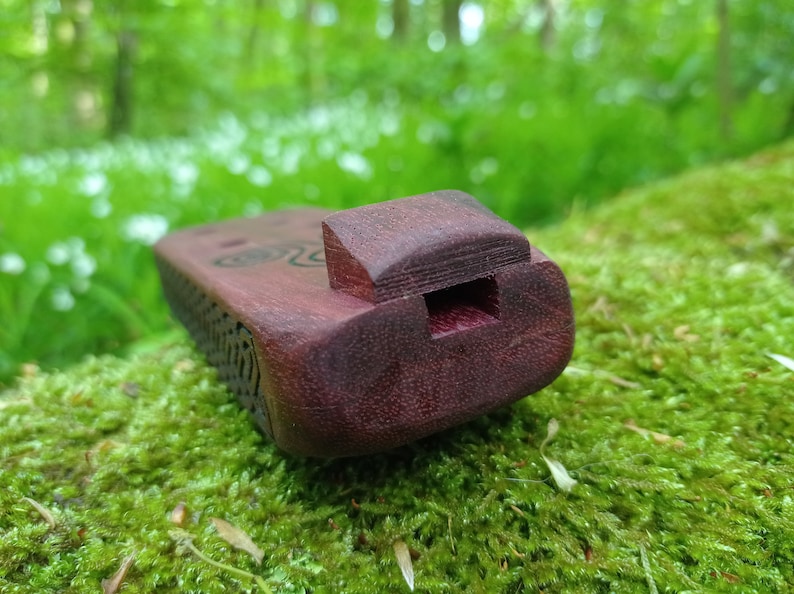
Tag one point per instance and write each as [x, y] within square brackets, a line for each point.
[353, 332]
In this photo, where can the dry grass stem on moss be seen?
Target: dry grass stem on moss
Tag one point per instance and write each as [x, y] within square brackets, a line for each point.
[43, 512]
[602, 373]
[561, 477]
[184, 541]
[631, 425]
[112, 585]
[564, 481]
[238, 539]
[403, 555]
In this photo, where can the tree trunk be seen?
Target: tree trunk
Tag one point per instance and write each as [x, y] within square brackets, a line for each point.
[399, 16]
[450, 20]
[39, 27]
[724, 80]
[122, 106]
[83, 94]
[252, 43]
[548, 31]
[788, 127]
[39, 76]
[312, 46]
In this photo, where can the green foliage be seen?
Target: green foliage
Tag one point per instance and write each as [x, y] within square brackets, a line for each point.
[330, 110]
[74, 254]
[680, 291]
[618, 95]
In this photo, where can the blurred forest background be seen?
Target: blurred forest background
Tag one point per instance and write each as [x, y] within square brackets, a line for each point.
[565, 98]
[121, 120]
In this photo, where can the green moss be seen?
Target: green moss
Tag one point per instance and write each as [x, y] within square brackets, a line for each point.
[680, 291]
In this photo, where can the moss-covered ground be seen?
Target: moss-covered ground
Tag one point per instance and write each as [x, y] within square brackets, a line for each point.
[681, 289]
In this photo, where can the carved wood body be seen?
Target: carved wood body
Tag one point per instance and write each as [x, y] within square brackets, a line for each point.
[362, 330]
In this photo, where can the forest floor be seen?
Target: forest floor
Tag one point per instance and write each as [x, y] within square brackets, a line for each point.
[675, 420]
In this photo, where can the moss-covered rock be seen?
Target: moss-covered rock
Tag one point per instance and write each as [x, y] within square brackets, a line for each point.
[673, 419]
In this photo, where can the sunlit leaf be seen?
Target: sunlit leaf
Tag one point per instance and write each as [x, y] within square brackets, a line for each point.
[783, 360]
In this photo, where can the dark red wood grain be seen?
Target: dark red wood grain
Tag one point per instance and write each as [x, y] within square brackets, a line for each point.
[431, 311]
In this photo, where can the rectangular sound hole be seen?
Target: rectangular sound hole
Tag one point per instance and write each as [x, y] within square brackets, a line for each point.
[462, 307]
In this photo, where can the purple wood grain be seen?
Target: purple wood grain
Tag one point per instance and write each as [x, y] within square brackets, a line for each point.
[417, 245]
[430, 312]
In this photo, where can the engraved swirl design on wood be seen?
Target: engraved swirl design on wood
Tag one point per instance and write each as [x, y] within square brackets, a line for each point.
[302, 255]
[226, 342]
